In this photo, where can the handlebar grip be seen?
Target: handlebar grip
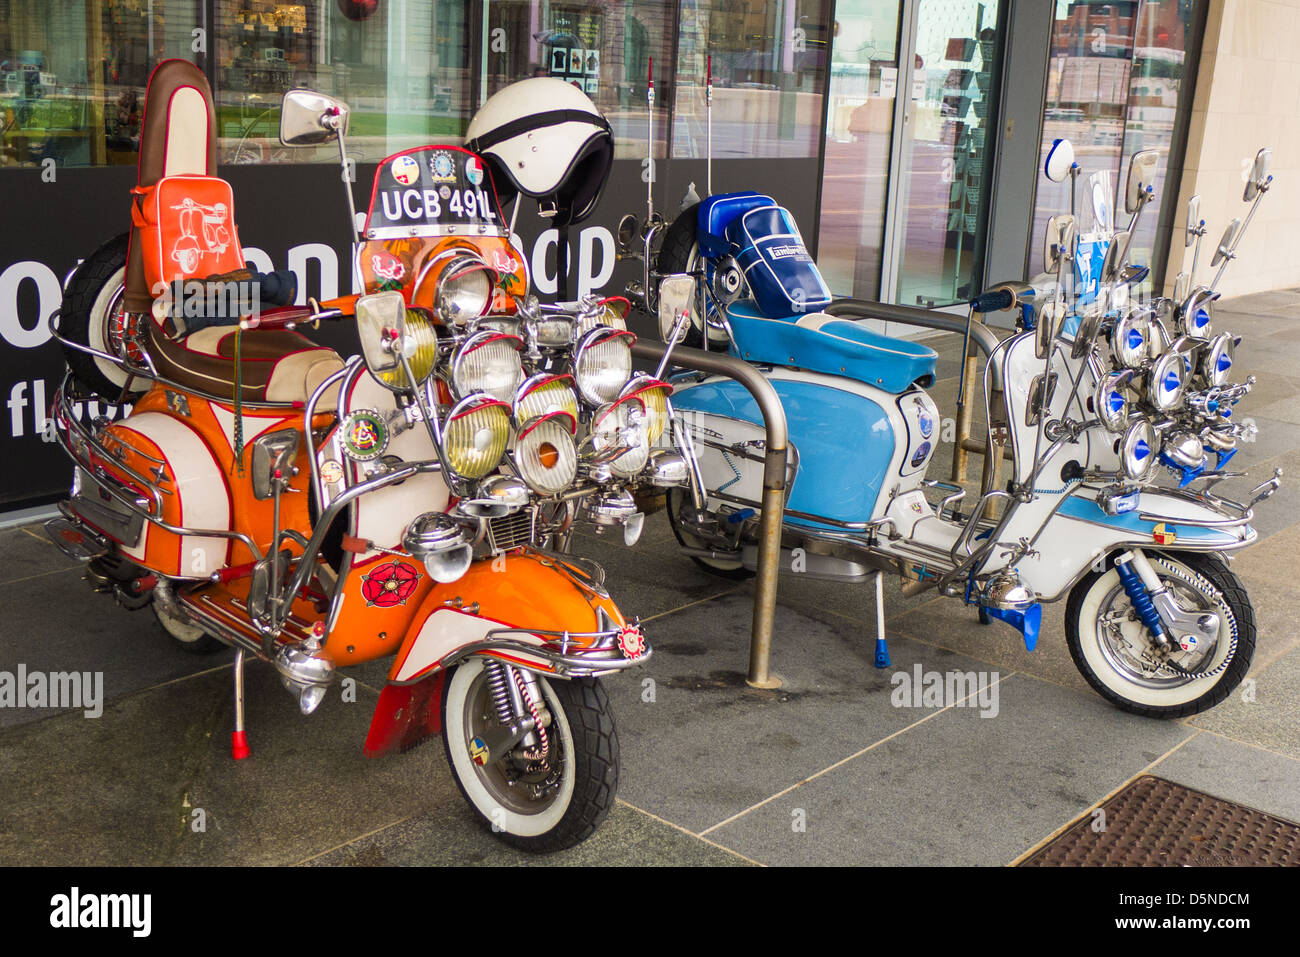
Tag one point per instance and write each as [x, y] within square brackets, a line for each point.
[993, 300]
[286, 317]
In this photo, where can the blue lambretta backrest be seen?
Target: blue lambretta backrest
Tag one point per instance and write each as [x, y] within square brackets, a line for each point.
[783, 279]
[718, 212]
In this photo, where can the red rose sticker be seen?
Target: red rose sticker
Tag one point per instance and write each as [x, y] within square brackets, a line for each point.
[389, 585]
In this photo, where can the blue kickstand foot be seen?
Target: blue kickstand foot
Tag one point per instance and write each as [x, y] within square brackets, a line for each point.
[882, 653]
[984, 617]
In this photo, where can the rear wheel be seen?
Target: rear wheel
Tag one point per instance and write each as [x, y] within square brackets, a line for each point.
[92, 315]
[680, 253]
[1118, 656]
[540, 799]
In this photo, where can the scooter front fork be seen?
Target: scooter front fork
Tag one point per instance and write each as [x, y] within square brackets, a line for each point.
[1139, 580]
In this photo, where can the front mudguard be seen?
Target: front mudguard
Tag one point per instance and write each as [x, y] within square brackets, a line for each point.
[1080, 533]
[530, 610]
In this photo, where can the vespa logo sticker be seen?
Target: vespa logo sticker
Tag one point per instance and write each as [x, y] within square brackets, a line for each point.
[1164, 534]
[479, 753]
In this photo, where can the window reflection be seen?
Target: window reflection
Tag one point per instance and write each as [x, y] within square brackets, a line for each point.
[1115, 85]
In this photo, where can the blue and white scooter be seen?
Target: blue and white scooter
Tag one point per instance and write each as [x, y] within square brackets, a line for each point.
[1096, 400]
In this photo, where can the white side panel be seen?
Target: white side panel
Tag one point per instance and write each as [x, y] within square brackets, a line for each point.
[443, 632]
[200, 486]
[382, 516]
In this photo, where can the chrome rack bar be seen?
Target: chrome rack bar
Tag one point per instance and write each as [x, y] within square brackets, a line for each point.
[773, 505]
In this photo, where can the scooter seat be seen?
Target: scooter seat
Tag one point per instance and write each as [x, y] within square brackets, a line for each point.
[830, 344]
[275, 365]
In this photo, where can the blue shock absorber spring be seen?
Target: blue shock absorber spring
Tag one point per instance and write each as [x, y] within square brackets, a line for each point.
[1137, 593]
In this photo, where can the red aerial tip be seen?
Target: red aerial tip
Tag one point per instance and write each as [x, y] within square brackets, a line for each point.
[708, 68]
[239, 745]
[650, 73]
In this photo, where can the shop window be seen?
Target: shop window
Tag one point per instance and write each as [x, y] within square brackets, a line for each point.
[73, 75]
[769, 66]
[1117, 82]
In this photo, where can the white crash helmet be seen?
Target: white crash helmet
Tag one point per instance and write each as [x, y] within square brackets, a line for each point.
[543, 137]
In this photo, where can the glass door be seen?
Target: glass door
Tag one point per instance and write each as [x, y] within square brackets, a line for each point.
[859, 143]
[910, 142]
[945, 153]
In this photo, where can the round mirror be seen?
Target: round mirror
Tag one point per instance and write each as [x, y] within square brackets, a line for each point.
[626, 231]
[1060, 160]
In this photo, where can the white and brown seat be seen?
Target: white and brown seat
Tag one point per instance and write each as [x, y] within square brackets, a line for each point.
[179, 139]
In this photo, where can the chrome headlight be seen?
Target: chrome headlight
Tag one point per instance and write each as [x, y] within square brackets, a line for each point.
[543, 394]
[1138, 450]
[1111, 402]
[610, 312]
[488, 362]
[603, 364]
[553, 330]
[474, 436]
[1216, 362]
[654, 394]
[464, 289]
[1128, 339]
[1167, 381]
[619, 437]
[545, 454]
[1197, 315]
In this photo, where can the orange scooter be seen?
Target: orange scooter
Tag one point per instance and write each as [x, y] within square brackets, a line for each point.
[315, 513]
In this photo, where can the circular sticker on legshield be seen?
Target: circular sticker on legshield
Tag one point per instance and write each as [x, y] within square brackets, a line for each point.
[365, 435]
[474, 171]
[331, 472]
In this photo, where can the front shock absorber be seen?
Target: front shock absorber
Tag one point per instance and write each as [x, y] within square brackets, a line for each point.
[499, 691]
[1140, 597]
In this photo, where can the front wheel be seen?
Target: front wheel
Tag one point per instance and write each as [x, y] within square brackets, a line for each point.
[542, 798]
[1115, 651]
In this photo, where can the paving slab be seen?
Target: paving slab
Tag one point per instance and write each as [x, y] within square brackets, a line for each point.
[959, 789]
[1264, 710]
[1238, 772]
[699, 745]
[449, 835]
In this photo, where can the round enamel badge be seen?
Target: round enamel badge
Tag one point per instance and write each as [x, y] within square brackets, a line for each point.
[405, 170]
[365, 435]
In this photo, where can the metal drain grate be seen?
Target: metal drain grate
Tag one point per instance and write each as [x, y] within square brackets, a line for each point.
[1156, 823]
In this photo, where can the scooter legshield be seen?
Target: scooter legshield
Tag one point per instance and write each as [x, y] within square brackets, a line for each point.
[527, 592]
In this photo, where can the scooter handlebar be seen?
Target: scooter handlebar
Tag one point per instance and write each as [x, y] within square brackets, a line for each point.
[288, 317]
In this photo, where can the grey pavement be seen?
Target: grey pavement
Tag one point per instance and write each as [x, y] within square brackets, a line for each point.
[831, 768]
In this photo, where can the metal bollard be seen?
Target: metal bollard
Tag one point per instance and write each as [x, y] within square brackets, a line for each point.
[774, 467]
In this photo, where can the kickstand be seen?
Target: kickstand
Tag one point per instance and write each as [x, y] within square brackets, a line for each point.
[882, 649]
[239, 738]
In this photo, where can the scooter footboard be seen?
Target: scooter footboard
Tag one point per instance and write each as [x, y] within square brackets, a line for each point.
[1082, 533]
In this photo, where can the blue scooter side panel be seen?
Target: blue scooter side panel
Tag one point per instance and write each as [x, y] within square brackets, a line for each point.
[845, 441]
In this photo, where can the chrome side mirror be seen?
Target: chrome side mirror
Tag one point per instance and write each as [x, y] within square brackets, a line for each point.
[1225, 244]
[676, 296]
[308, 118]
[1050, 320]
[1089, 326]
[1058, 242]
[1258, 174]
[1114, 257]
[1060, 160]
[627, 230]
[1141, 179]
[1195, 225]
